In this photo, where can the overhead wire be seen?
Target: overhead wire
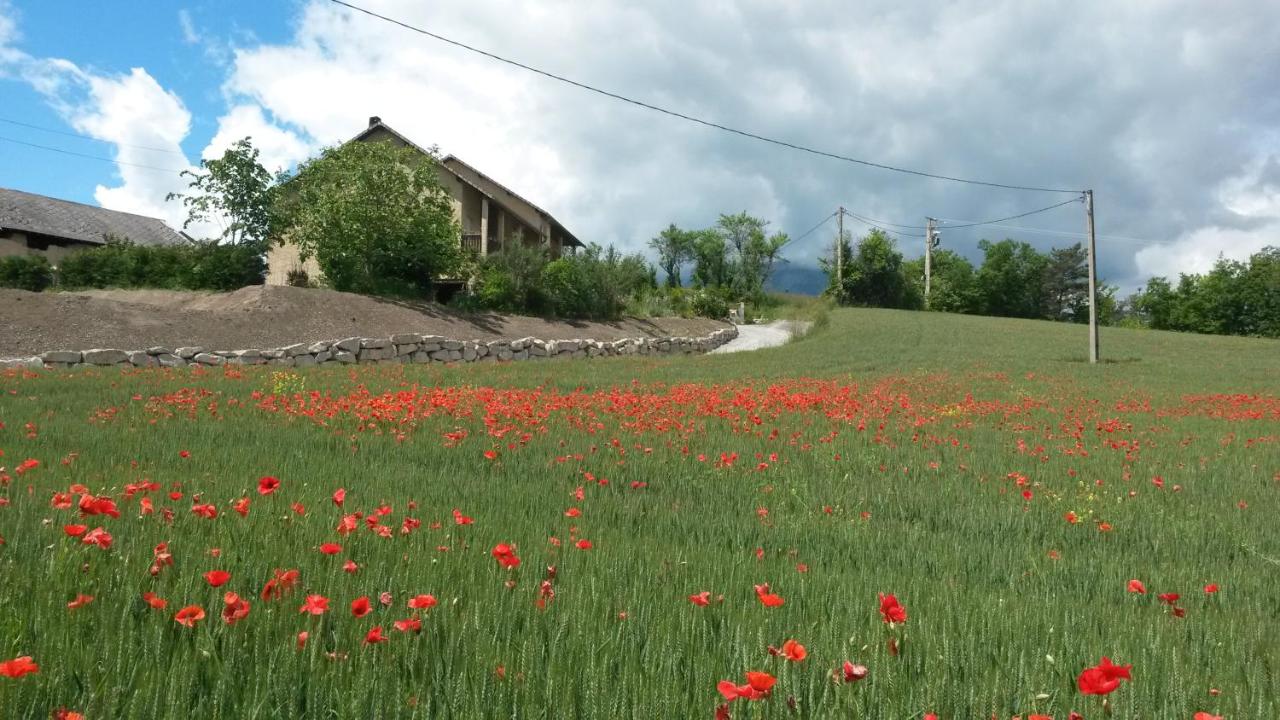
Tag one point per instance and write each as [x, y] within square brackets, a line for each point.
[84, 155]
[690, 118]
[1012, 217]
[810, 231]
[68, 133]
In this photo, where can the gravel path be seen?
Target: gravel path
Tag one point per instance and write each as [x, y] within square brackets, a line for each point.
[755, 337]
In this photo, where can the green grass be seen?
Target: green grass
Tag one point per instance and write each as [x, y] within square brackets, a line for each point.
[916, 419]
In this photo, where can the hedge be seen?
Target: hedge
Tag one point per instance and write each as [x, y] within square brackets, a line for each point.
[25, 272]
[195, 266]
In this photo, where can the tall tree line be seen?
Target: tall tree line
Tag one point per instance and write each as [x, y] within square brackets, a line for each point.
[737, 254]
[1016, 280]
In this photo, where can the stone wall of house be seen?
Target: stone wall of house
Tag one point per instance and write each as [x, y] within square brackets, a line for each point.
[401, 348]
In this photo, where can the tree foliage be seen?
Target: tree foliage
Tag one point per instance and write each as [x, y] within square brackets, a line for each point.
[375, 216]
[1234, 298]
[234, 190]
[674, 247]
[1010, 280]
[874, 275]
[734, 257]
[592, 283]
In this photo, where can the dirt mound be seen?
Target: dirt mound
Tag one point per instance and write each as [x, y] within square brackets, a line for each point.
[267, 316]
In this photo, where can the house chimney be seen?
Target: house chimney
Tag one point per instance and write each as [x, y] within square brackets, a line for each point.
[374, 120]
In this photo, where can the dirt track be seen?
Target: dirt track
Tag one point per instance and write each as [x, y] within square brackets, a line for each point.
[266, 317]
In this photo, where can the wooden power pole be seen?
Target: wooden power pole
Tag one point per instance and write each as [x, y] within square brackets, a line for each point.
[840, 252]
[1093, 279]
[929, 241]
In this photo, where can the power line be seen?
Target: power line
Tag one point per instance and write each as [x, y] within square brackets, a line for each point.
[90, 157]
[811, 230]
[690, 118]
[88, 137]
[899, 233]
[1013, 217]
[870, 221]
[1067, 233]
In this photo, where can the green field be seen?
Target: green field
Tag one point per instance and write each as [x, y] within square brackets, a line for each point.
[889, 452]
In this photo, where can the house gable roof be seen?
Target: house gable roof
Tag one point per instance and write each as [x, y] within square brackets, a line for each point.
[41, 215]
[514, 202]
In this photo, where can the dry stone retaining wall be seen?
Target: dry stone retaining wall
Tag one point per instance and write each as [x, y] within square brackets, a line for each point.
[400, 348]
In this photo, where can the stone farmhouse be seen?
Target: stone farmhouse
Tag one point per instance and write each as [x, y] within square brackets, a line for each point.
[33, 224]
[489, 213]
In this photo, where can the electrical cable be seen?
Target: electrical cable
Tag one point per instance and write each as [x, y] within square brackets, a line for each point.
[88, 137]
[90, 157]
[690, 118]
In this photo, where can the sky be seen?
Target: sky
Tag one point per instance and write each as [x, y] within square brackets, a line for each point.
[1169, 111]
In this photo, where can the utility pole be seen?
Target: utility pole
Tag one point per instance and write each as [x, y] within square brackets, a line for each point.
[840, 252]
[1093, 279]
[929, 243]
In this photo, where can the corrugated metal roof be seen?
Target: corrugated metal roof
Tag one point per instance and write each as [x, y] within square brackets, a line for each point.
[38, 214]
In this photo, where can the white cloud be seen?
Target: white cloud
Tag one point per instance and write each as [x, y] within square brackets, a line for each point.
[1160, 125]
[144, 121]
[188, 27]
[1007, 91]
[1253, 199]
[277, 148]
[10, 57]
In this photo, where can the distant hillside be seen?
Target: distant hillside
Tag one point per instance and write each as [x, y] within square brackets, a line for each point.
[798, 279]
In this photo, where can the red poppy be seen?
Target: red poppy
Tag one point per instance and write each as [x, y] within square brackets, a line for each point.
[315, 605]
[1207, 716]
[267, 485]
[360, 606]
[189, 615]
[1210, 589]
[234, 608]
[75, 530]
[18, 667]
[97, 536]
[422, 602]
[853, 673]
[241, 507]
[1169, 598]
[302, 639]
[217, 578]
[1136, 586]
[758, 686]
[331, 548]
[184, 454]
[339, 496]
[151, 599]
[572, 512]
[460, 519]
[505, 555]
[80, 601]
[277, 586]
[65, 714]
[1103, 678]
[1071, 517]
[91, 505]
[584, 544]
[767, 598]
[374, 636]
[891, 610]
[701, 599]
[794, 651]
[412, 624]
